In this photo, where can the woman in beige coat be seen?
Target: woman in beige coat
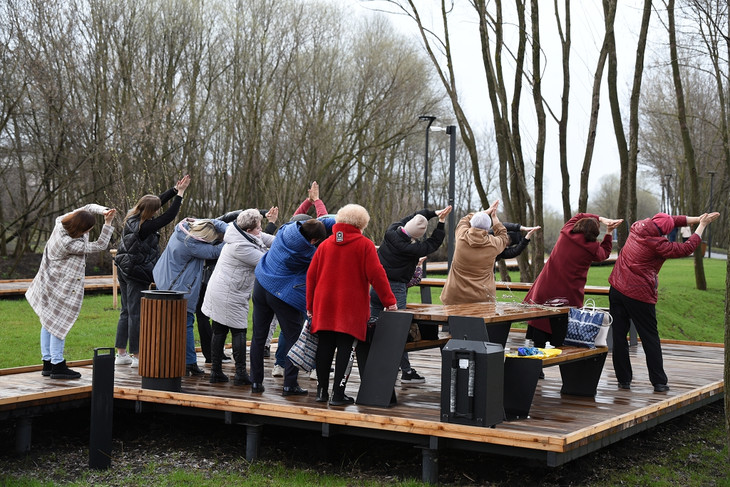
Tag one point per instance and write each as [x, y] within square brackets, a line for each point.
[471, 277]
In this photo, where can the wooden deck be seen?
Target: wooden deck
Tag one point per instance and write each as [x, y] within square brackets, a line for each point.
[559, 429]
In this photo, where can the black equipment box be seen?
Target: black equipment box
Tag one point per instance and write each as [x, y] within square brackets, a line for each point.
[472, 383]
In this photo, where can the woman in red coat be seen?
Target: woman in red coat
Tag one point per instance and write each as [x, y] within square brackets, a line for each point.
[565, 272]
[338, 296]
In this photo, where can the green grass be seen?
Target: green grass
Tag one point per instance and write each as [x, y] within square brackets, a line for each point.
[683, 312]
[256, 474]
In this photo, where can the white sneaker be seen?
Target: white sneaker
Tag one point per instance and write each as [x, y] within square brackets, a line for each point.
[313, 374]
[134, 363]
[278, 371]
[123, 359]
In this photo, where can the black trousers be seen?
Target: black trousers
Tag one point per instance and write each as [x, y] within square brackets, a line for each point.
[204, 327]
[559, 327]
[624, 310]
[291, 320]
[328, 342]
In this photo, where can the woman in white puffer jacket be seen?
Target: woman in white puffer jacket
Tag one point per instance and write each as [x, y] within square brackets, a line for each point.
[227, 297]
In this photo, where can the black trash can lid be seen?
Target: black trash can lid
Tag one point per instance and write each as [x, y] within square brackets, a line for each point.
[161, 294]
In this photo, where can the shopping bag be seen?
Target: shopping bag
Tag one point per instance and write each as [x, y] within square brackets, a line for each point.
[303, 354]
[602, 337]
[583, 326]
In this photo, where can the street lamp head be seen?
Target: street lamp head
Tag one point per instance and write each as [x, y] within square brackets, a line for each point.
[429, 118]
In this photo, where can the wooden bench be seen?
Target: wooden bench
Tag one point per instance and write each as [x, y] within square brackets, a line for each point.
[580, 370]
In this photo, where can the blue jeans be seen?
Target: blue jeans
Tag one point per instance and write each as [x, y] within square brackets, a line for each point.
[190, 356]
[400, 291]
[51, 347]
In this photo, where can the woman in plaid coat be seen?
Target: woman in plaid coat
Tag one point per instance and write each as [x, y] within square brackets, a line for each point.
[57, 290]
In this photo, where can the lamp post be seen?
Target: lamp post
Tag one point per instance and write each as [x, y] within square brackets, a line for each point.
[429, 119]
[426, 291]
[709, 209]
[451, 130]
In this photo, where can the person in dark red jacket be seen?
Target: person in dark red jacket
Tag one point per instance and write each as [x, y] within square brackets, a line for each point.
[565, 272]
[338, 282]
[633, 294]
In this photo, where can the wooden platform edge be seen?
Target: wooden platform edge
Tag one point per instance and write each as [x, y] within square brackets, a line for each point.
[33, 368]
[639, 416]
[349, 418]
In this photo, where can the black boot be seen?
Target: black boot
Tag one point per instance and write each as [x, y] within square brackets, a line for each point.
[216, 357]
[322, 394]
[61, 371]
[193, 369]
[239, 355]
[339, 398]
[47, 367]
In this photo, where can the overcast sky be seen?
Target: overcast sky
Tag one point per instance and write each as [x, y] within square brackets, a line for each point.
[587, 32]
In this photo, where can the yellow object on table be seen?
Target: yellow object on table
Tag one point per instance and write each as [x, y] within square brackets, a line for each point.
[544, 353]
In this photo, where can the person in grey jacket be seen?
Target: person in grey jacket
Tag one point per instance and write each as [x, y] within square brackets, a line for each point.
[205, 330]
[227, 296]
[180, 268]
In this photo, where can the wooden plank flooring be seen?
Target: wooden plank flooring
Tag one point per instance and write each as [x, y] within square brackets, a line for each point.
[558, 424]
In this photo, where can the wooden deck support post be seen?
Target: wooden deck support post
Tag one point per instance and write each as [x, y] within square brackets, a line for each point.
[253, 440]
[23, 433]
[430, 461]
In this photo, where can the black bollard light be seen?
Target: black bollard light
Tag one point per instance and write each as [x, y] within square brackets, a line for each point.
[102, 409]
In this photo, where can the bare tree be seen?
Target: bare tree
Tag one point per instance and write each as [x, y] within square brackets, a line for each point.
[688, 148]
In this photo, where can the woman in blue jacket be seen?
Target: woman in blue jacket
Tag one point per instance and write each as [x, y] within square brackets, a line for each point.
[180, 268]
[279, 290]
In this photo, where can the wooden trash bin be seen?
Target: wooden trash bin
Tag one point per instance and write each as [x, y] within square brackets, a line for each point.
[162, 335]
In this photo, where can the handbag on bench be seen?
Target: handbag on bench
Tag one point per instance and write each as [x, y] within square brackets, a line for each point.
[587, 326]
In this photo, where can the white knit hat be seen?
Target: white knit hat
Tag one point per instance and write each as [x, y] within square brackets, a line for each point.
[481, 220]
[416, 226]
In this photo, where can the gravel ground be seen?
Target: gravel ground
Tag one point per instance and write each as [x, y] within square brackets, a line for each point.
[170, 442]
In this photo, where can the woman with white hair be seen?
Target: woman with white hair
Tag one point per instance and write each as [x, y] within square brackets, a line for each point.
[229, 291]
[338, 283]
[180, 268]
[471, 276]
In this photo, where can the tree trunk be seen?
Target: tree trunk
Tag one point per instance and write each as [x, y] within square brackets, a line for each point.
[625, 189]
[689, 154]
[538, 263]
[595, 105]
[565, 41]
[634, 113]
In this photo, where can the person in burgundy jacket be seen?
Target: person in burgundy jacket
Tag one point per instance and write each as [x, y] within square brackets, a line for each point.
[338, 299]
[633, 294]
[565, 272]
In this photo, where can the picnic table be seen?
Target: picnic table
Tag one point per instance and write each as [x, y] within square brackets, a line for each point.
[429, 282]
